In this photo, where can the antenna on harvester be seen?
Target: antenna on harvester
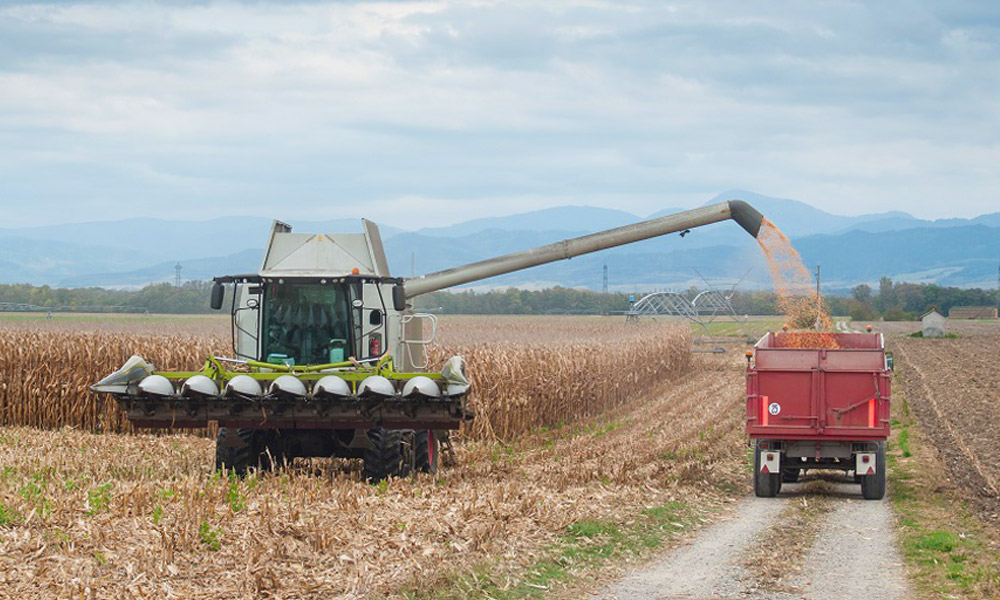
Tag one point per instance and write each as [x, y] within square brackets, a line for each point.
[177, 275]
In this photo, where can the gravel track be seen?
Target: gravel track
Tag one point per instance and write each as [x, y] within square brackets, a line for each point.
[854, 556]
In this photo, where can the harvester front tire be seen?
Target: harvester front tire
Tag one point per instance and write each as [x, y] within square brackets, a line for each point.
[765, 485]
[235, 450]
[384, 457]
[873, 486]
[425, 451]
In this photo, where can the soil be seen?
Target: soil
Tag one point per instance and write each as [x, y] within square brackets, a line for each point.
[952, 389]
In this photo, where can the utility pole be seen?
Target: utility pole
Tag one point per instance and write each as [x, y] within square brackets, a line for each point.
[819, 301]
[177, 275]
[605, 286]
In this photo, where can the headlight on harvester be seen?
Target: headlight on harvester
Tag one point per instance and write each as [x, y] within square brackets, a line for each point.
[421, 387]
[199, 386]
[156, 385]
[243, 386]
[332, 387]
[376, 386]
[287, 386]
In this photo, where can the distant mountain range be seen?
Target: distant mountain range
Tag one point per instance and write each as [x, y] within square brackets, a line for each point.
[851, 249]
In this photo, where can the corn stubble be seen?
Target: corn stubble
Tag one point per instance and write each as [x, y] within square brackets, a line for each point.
[145, 516]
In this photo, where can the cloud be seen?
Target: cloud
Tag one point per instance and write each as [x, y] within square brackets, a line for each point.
[426, 112]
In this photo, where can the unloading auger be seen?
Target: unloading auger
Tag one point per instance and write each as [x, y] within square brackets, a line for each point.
[329, 356]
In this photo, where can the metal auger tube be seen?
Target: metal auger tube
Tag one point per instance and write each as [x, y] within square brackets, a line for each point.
[737, 210]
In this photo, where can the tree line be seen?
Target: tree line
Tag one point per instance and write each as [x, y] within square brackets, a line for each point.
[191, 297]
[892, 301]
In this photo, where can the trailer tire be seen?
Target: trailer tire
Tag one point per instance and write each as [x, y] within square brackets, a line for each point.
[425, 451]
[239, 450]
[384, 456]
[873, 486]
[765, 485]
[790, 475]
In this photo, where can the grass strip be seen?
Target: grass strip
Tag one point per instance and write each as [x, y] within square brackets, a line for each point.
[583, 547]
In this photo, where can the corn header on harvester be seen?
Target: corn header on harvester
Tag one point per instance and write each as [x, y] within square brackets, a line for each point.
[329, 355]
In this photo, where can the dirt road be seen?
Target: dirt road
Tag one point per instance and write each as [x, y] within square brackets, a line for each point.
[853, 553]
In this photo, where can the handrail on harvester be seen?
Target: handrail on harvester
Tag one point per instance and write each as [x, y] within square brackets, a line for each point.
[737, 210]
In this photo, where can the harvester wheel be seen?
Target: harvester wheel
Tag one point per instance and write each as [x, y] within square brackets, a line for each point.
[873, 486]
[425, 451]
[790, 475]
[240, 449]
[384, 456]
[765, 485]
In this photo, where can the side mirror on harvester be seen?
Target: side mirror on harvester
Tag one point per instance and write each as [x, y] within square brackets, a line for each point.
[399, 297]
[218, 292]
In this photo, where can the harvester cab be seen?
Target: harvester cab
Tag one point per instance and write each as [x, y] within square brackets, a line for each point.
[329, 358]
[318, 299]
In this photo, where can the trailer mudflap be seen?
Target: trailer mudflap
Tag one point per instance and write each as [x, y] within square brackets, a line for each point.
[865, 463]
[770, 461]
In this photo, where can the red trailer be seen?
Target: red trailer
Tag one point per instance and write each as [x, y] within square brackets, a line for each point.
[818, 401]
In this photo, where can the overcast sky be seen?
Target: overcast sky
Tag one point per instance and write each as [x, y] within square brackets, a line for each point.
[418, 114]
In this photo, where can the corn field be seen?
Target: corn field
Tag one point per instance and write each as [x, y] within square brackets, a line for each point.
[46, 372]
[543, 372]
[526, 373]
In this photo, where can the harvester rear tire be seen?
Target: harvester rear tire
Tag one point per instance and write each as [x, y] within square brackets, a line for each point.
[384, 457]
[765, 485]
[873, 486]
[425, 451]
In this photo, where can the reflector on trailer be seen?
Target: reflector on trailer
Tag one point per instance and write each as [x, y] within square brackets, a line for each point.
[865, 463]
[770, 462]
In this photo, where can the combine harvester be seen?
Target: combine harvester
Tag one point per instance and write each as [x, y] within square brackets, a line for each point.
[818, 401]
[329, 356]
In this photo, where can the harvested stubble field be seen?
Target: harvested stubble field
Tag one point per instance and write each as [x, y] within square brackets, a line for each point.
[952, 387]
[145, 516]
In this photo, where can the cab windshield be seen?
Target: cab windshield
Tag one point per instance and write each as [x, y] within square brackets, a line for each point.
[306, 323]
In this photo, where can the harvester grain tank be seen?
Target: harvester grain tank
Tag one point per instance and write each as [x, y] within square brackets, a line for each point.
[329, 355]
[823, 406]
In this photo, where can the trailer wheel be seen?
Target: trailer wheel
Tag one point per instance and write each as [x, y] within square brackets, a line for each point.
[384, 456]
[765, 485]
[873, 486]
[238, 450]
[790, 475]
[425, 451]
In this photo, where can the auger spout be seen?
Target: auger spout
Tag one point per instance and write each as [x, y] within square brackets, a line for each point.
[745, 215]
